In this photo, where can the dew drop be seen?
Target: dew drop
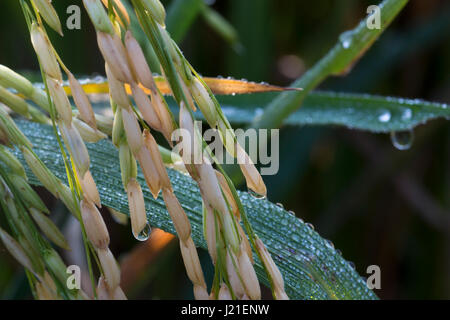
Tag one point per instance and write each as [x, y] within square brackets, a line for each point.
[346, 39]
[144, 234]
[310, 225]
[384, 116]
[256, 195]
[280, 205]
[98, 79]
[352, 265]
[402, 140]
[330, 244]
[406, 114]
[298, 257]
[259, 112]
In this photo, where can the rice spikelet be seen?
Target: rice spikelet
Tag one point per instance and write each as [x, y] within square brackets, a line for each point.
[44, 51]
[138, 215]
[138, 62]
[82, 102]
[115, 56]
[94, 224]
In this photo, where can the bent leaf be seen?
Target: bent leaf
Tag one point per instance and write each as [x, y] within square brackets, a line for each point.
[220, 86]
[311, 266]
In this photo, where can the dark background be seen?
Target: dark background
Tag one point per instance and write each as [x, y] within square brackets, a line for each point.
[377, 204]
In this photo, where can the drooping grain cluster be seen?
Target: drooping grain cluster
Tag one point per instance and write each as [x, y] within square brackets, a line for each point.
[89, 197]
[229, 246]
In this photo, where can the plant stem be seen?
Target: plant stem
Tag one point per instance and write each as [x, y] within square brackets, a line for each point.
[350, 47]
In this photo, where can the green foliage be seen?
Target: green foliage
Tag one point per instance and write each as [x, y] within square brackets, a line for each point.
[312, 268]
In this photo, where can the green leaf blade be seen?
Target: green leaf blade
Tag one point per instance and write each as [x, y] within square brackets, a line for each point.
[356, 111]
[367, 112]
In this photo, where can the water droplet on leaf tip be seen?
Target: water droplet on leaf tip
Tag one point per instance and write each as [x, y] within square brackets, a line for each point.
[144, 234]
[402, 140]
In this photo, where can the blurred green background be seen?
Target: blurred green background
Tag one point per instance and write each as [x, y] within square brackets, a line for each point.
[378, 205]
